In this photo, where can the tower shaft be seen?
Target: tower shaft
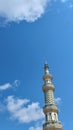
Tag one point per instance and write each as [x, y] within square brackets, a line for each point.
[50, 109]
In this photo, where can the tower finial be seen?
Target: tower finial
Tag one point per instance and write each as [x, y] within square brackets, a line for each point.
[46, 68]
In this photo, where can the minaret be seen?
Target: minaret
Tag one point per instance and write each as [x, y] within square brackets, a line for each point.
[50, 109]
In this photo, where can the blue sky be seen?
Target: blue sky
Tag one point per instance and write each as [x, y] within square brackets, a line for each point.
[31, 34]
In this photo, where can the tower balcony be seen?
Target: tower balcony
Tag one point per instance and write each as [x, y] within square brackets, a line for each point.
[48, 87]
[52, 126]
[47, 76]
[50, 108]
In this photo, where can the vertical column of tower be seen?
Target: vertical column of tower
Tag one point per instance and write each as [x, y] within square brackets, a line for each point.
[50, 109]
[49, 96]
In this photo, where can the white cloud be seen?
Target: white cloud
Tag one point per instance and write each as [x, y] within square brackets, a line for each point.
[23, 112]
[17, 10]
[20, 10]
[5, 86]
[57, 100]
[16, 83]
[36, 128]
[38, 125]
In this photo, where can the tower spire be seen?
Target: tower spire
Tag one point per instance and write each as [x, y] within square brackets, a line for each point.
[46, 68]
[50, 109]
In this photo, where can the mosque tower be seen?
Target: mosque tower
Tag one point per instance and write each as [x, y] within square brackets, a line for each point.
[50, 109]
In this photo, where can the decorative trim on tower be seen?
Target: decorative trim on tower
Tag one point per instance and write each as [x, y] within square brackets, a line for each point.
[50, 109]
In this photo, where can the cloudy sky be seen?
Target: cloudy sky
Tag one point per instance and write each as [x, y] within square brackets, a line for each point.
[31, 33]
